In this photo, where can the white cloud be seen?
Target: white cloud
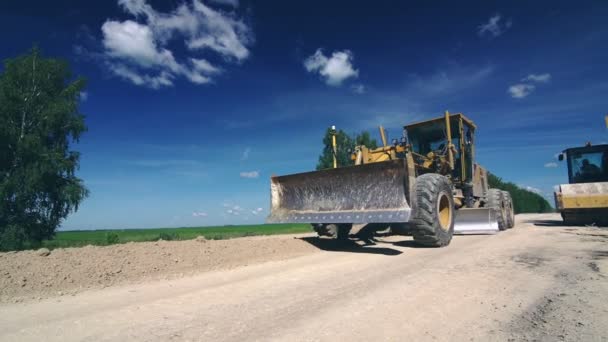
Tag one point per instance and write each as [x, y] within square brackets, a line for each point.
[250, 174]
[358, 88]
[494, 27]
[84, 96]
[137, 50]
[335, 69]
[533, 189]
[551, 165]
[540, 78]
[204, 66]
[257, 211]
[134, 41]
[199, 214]
[159, 80]
[245, 154]
[521, 90]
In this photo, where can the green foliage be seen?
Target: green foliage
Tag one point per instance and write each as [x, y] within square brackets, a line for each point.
[77, 238]
[345, 146]
[112, 238]
[364, 138]
[524, 201]
[12, 237]
[39, 120]
[168, 236]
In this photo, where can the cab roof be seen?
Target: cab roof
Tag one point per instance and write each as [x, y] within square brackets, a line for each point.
[588, 148]
[441, 118]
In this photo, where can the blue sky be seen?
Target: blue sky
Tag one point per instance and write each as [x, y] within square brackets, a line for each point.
[192, 105]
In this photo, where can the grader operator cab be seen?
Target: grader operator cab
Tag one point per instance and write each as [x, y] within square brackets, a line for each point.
[426, 185]
[585, 199]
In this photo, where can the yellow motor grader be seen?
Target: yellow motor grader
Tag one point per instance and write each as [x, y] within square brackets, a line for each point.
[426, 184]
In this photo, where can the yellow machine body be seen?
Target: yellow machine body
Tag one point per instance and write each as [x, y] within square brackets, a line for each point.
[378, 187]
[585, 199]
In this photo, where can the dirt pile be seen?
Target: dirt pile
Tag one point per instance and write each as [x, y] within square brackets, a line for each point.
[43, 273]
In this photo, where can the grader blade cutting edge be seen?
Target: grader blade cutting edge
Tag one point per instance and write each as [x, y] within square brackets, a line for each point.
[475, 221]
[369, 193]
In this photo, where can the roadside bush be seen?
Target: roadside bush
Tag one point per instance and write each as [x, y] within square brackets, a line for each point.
[168, 236]
[12, 238]
[112, 238]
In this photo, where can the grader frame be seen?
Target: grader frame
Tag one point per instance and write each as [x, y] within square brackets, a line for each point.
[415, 185]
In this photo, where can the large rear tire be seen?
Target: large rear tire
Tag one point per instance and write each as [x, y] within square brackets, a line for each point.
[510, 219]
[433, 208]
[494, 200]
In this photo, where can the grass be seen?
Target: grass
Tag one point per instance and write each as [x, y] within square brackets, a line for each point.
[78, 238]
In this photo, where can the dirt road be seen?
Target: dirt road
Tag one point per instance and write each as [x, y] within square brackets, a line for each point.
[538, 281]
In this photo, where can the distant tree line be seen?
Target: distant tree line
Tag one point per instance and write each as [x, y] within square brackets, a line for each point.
[345, 146]
[524, 201]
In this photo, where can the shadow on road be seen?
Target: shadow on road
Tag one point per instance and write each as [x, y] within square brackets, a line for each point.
[409, 244]
[349, 246]
[547, 223]
[560, 223]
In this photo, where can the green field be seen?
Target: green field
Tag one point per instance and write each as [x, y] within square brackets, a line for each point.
[78, 238]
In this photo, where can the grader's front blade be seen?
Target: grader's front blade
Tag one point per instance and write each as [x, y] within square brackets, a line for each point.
[369, 193]
[475, 221]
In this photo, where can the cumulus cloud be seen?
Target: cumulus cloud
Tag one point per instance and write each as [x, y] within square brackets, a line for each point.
[235, 210]
[533, 189]
[137, 50]
[199, 214]
[494, 27]
[551, 165]
[84, 96]
[250, 174]
[256, 211]
[540, 78]
[335, 69]
[521, 90]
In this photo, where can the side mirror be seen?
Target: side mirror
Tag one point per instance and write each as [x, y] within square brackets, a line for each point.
[560, 157]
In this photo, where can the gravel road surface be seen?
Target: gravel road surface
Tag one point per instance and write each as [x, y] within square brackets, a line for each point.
[540, 281]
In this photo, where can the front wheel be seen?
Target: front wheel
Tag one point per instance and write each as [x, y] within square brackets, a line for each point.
[433, 208]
